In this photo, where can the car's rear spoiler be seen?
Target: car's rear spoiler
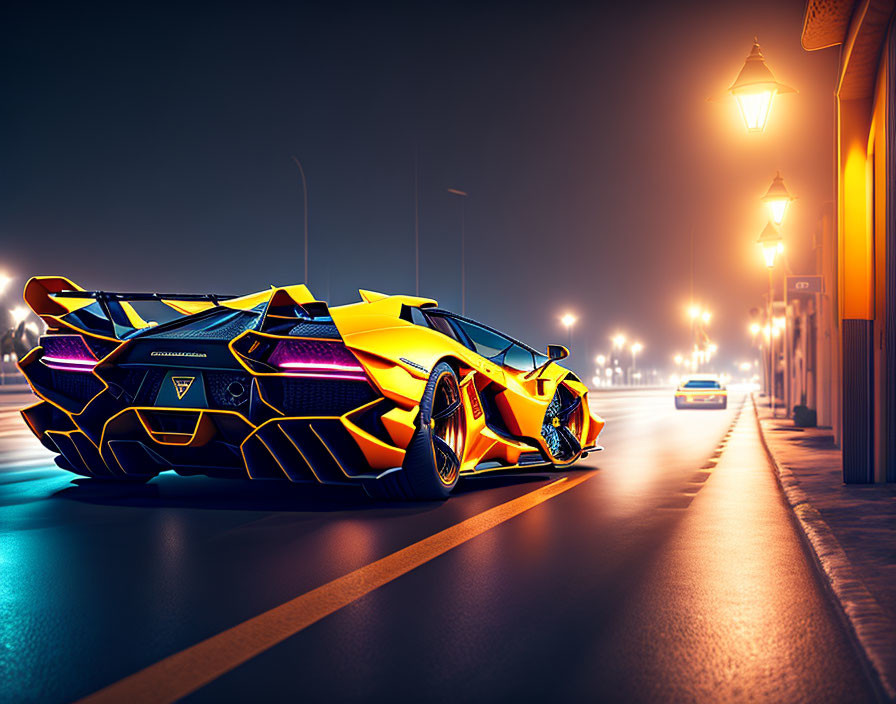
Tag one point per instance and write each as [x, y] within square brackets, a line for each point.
[103, 297]
[55, 297]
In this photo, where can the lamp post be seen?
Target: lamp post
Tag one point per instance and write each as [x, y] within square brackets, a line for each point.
[618, 342]
[568, 320]
[777, 198]
[305, 212]
[771, 242]
[755, 89]
[693, 314]
[463, 275]
[635, 349]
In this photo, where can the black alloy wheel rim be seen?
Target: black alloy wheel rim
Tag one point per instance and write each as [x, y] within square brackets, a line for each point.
[447, 428]
[562, 425]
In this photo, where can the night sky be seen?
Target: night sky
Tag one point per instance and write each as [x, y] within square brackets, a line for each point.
[146, 146]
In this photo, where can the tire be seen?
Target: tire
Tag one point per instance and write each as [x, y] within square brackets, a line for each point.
[724, 404]
[678, 404]
[431, 466]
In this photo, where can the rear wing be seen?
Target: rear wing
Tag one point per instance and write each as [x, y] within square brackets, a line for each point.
[60, 302]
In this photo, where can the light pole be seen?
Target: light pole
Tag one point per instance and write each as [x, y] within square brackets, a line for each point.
[755, 89]
[568, 320]
[636, 348]
[5, 281]
[693, 314]
[601, 361]
[305, 211]
[463, 275]
[618, 342]
[771, 243]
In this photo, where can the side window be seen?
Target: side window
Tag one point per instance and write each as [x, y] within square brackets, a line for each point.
[439, 323]
[417, 318]
[519, 358]
[483, 341]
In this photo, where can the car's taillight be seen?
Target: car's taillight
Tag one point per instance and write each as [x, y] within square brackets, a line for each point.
[316, 359]
[67, 353]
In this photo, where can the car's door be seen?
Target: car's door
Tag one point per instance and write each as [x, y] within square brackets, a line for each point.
[521, 409]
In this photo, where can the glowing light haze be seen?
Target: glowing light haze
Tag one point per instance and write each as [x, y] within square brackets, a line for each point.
[150, 147]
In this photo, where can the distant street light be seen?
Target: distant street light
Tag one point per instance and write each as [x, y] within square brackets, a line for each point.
[568, 320]
[678, 360]
[463, 274]
[777, 198]
[618, 341]
[755, 89]
[706, 316]
[18, 314]
[601, 360]
[5, 281]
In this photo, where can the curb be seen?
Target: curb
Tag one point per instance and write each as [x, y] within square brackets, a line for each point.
[863, 616]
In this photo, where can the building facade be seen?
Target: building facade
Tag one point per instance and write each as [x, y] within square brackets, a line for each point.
[862, 241]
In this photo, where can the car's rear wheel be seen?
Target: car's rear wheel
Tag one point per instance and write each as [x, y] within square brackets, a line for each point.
[431, 466]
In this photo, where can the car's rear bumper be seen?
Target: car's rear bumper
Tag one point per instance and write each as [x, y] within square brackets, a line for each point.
[144, 441]
[697, 401]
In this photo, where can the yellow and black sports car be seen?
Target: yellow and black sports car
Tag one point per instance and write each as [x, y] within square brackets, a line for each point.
[391, 393]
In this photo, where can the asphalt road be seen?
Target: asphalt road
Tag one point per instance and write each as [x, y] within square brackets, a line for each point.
[665, 568]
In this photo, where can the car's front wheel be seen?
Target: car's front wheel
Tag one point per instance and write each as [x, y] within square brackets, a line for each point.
[431, 465]
[562, 427]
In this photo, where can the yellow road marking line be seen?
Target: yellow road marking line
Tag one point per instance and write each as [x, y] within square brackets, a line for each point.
[181, 674]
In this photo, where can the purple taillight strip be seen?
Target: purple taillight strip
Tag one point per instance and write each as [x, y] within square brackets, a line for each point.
[321, 367]
[317, 359]
[328, 375]
[69, 365]
[67, 353]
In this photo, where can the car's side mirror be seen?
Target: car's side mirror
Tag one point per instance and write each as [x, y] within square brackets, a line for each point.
[557, 352]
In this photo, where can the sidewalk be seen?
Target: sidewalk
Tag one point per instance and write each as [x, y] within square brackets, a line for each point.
[851, 530]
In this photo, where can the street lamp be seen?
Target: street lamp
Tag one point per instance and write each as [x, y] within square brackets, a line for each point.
[777, 198]
[601, 360]
[568, 320]
[5, 281]
[678, 360]
[463, 273]
[754, 90]
[706, 316]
